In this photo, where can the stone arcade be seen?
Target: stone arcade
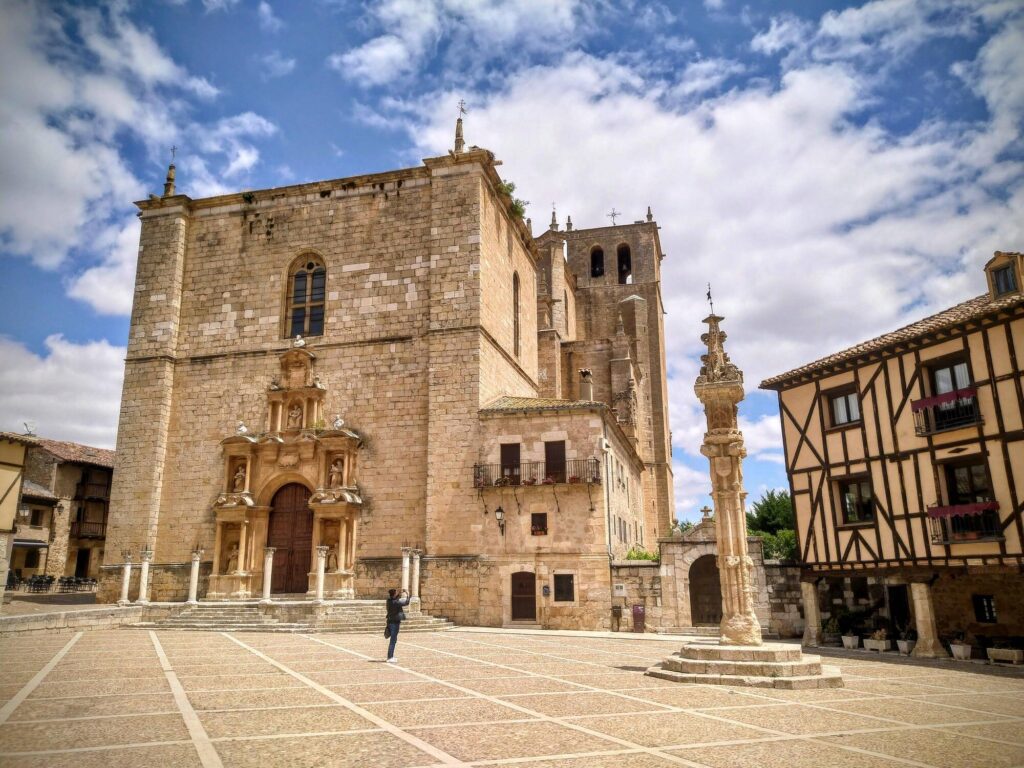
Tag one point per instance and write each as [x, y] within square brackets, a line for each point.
[339, 387]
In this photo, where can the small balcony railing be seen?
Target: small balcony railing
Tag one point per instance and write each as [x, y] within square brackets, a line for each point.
[951, 410]
[962, 523]
[93, 491]
[537, 473]
[85, 530]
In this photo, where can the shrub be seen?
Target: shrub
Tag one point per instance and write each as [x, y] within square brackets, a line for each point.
[639, 553]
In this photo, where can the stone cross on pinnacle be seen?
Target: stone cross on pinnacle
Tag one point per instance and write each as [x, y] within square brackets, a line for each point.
[613, 215]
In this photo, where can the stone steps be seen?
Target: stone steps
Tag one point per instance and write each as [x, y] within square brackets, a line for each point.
[809, 665]
[829, 678]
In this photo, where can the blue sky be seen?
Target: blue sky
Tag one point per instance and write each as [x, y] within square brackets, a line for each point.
[835, 170]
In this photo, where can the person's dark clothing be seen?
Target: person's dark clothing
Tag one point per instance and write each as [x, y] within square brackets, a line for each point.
[395, 617]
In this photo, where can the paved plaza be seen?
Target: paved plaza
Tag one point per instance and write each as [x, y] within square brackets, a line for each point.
[135, 698]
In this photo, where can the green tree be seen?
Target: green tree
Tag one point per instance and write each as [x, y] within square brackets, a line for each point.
[772, 513]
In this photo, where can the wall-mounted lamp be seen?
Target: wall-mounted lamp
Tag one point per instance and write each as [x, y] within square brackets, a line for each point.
[499, 515]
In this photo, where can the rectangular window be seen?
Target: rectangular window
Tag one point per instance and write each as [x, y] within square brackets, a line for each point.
[554, 460]
[299, 296]
[539, 524]
[857, 501]
[565, 588]
[316, 321]
[950, 377]
[968, 483]
[37, 518]
[1004, 279]
[844, 408]
[984, 608]
[510, 465]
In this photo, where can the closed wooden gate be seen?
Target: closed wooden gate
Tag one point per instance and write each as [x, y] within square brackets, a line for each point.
[524, 596]
[291, 533]
[705, 592]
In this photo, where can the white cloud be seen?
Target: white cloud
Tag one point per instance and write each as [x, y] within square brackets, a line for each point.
[268, 21]
[411, 30]
[72, 392]
[785, 31]
[213, 6]
[692, 487]
[816, 227]
[276, 65]
[705, 75]
[108, 286]
[714, 5]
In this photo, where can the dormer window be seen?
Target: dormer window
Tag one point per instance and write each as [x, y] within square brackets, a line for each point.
[1004, 273]
[1004, 280]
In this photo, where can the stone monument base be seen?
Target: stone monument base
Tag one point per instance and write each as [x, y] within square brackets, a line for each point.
[772, 665]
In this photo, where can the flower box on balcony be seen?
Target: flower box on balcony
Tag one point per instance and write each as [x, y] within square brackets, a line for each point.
[549, 481]
[574, 479]
[529, 481]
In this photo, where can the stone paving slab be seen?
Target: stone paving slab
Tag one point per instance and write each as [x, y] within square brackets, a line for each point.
[521, 700]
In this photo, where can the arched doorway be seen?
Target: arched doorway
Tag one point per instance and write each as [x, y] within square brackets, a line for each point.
[705, 592]
[524, 596]
[290, 532]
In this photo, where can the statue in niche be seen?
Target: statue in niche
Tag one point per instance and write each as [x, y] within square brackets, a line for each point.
[232, 565]
[239, 480]
[295, 417]
[332, 558]
[334, 479]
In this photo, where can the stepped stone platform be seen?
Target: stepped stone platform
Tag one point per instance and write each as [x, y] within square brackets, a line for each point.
[771, 665]
[349, 616]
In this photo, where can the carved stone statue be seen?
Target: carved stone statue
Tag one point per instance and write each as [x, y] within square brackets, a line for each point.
[332, 558]
[232, 565]
[239, 481]
[299, 341]
[338, 421]
[295, 417]
[334, 479]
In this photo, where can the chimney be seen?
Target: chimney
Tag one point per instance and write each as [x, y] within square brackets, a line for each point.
[586, 384]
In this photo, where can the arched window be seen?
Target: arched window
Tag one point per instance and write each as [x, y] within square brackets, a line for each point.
[307, 287]
[515, 313]
[597, 262]
[625, 265]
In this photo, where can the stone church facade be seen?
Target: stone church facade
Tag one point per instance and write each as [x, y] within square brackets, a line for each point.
[392, 362]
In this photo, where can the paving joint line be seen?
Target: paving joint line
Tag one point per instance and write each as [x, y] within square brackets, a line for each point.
[394, 730]
[200, 738]
[26, 690]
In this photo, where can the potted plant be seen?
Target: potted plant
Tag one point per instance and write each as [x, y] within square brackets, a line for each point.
[830, 632]
[851, 641]
[879, 641]
[907, 639]
[530, 481]
[1002, 651]
[960, 648]
[549, 480]
[574, 478]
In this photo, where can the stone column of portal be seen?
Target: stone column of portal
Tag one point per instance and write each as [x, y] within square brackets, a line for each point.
[928, 644]
[193, 578]
[145, 556]
[406, 551]
[812, 614]
[414, 592]
[126, 580]
[268, 567]
[321, 564]
[720, 388]
[242, 541]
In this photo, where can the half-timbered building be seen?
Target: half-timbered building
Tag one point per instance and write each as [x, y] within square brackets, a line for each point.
[905, 457]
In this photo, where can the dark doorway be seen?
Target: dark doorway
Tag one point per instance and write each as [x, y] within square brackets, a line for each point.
[899, 606]
[554, 460]
[705, 592]
[524, 596]
[82, 563]
[510, 462]
[291, 533]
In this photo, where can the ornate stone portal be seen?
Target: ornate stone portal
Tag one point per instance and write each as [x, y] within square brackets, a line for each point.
[740, 657]
[297, 447]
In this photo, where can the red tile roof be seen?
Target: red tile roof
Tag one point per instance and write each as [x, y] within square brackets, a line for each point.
[75, 453]
[972, 309]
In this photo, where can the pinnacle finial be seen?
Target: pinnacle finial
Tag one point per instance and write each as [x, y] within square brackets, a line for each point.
[568, 223]
[460, 144]
[169, 181]
[650, 216]
[554, 219]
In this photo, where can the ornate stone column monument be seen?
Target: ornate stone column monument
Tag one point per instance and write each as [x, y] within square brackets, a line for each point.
[740, 657]
[126, 577]
[193, 578]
